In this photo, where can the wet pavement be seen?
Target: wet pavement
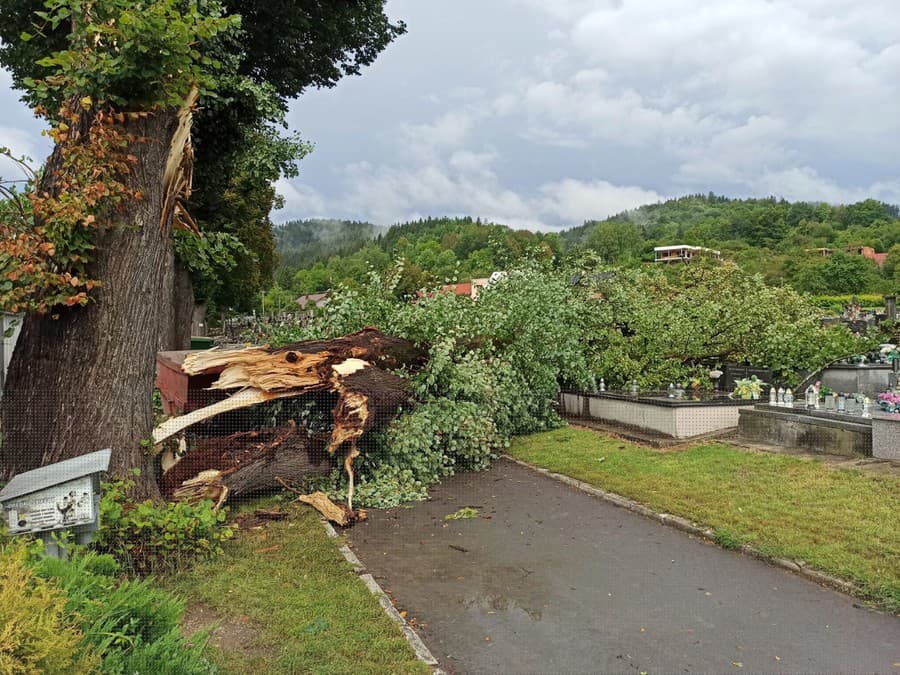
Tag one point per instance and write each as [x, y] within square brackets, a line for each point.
[549, 579]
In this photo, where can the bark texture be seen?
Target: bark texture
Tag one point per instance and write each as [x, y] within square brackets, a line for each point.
[251, 462]
[84, 381]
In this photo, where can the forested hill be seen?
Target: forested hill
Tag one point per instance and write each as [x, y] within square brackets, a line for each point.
[709, 219]
[776, 238]
[302, 242]
[434, 250]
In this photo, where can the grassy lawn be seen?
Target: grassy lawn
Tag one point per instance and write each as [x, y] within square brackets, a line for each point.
[312, 612]
[840, 521]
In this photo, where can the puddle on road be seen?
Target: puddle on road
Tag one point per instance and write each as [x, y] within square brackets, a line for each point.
[505, 589]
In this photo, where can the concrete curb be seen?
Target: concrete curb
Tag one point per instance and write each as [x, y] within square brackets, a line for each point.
[422, 652]
[707, 533]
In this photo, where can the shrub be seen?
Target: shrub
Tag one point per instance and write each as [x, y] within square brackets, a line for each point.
[836, 303]
[149, 538]
[131, 624]
[37, 633]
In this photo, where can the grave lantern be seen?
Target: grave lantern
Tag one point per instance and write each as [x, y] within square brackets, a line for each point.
[59, 497]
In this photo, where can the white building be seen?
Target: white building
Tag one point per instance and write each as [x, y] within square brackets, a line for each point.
[682, 253]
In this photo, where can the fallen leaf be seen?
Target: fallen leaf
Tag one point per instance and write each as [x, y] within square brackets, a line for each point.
[643, 630]
[737, 663]
[268, 549]
[465, 513]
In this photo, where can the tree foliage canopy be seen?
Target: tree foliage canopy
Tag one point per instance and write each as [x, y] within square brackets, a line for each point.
[249, 58]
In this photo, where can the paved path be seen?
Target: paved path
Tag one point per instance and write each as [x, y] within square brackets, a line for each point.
[551, 579]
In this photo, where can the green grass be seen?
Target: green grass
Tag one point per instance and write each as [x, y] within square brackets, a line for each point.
[314, 615]
[843, 522]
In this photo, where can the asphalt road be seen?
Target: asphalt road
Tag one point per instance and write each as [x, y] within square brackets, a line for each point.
[549, 579]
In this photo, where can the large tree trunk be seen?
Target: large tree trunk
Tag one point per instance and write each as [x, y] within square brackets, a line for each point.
[84, 381]
[182, 309]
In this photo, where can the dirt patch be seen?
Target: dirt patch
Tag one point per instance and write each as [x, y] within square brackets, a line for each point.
[227, 633]
[259, 518]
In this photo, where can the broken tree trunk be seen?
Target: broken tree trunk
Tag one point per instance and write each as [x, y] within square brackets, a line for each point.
[352, 366]
[247, 463]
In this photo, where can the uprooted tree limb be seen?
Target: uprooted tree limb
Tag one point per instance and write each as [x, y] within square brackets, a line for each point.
[352, 366]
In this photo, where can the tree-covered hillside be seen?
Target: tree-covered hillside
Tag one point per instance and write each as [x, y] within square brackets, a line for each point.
[300, 243]
[320, 254]
[779, 239]
[774, 237]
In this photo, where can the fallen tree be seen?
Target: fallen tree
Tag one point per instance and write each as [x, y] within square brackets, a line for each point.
[352, 366]
[245, 463]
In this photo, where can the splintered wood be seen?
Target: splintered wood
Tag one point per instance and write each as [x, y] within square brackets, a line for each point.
[247, 463]
[339, 514]
[353, 366]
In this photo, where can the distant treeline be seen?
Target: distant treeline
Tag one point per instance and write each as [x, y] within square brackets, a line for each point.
[780, 240]
[319, 254]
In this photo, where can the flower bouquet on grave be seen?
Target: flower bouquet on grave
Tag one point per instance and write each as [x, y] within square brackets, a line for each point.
[748, 388]
[889, 401]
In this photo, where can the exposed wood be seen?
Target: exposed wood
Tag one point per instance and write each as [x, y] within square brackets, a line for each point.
[368, 400]
[178, 174]
[303, 364]
[351, 366]
[249, 463]
[287, 460]
[338, 514]
[206, 485]
[242, 399]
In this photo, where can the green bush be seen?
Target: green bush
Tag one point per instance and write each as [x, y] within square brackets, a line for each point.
[37, 633]
[836, 303]
[149, 538]
[131, 624]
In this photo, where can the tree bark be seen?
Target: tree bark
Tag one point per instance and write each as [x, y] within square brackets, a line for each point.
[182, 309]
[249, 463]
[84, 381]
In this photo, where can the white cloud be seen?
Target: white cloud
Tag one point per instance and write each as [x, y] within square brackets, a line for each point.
[729, 91]
[466, 183]
[804, 183]
[575, 201]
[548, 113]
[300, 201]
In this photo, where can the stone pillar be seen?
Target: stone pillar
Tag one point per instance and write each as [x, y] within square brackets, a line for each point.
[886, 438]
[890, 307]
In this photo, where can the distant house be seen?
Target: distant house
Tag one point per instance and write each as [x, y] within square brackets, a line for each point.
[682, 253]
[864, 251]
[472, 288]
[309, 303]
[869, 252]
[313, 300]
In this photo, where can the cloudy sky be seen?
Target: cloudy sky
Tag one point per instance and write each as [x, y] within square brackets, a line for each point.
[542, 114]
